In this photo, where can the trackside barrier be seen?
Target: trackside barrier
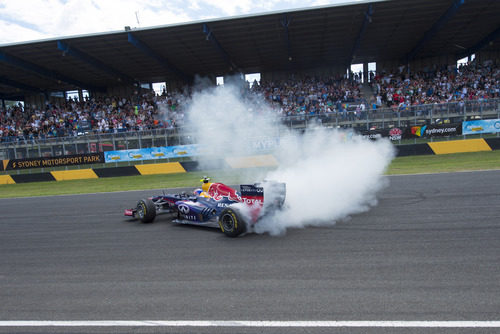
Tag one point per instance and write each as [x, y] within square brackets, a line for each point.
[446, 147]
[460, 146]
[48, 162]
[391, 120]
[146, 169]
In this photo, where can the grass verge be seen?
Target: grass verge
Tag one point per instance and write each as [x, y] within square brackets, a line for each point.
[125, 183]
[445, 163]
[401, 165]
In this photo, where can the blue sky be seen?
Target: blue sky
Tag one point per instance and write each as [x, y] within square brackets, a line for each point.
[26, 20]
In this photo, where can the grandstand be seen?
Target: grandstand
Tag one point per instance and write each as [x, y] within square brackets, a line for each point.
[304, 58]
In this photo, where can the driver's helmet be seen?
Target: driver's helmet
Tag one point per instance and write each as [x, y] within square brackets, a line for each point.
[197, 192]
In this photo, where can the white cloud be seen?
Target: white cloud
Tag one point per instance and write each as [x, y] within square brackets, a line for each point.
[29, 19]
[12, 32]
[241, 7]
[23, 20]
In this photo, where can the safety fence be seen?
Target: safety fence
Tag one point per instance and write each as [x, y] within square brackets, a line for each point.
[267, 160]
[394, 123]
[93, 172]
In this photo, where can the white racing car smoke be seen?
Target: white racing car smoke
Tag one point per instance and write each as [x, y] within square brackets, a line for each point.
[228, 125]
[328, 177]
[329, 174]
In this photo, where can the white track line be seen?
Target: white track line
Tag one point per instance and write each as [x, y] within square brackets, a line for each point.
[221, 323]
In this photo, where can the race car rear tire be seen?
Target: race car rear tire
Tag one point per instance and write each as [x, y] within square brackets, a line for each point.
[146, 210]
[231, 222]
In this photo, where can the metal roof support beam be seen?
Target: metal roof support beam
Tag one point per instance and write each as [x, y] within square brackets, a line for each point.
[12, 60]
[452, 10]
[366, 21]
[19, 85]
[285, 22]
[481, 44]
[162, 60]
[5, 97]
[72, 51]
[211, 37]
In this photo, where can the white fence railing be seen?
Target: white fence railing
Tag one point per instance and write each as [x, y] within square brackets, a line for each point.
[351, 117]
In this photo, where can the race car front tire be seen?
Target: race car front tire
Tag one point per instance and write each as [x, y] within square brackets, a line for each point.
[231, 222]
[146, 210]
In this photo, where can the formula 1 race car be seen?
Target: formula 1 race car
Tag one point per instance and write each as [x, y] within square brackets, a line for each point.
[215, 205]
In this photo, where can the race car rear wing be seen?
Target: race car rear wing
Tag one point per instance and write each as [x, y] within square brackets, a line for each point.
[275, 193]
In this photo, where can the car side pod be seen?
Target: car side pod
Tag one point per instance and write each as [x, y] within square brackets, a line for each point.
[146, 210]
[232, 222]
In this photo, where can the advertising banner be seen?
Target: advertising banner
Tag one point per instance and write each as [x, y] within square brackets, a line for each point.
[169, 152]
[65, 160]
[166, 152]
[394, 134]
[442, 130]
[264, 144]
[481, 126]
[374, 134]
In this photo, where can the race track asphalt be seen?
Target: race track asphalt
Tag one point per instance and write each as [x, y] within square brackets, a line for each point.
[430, 250]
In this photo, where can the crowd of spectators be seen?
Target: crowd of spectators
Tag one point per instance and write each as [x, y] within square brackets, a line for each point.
[309, 96]
[149, 111]
[444, 85]
[293, 97]
[92, 115]
[398, 91]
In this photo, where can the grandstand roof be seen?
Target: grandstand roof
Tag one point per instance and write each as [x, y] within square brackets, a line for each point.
[287, 40]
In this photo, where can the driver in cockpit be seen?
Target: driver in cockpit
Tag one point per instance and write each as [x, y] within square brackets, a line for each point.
[203, 191]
